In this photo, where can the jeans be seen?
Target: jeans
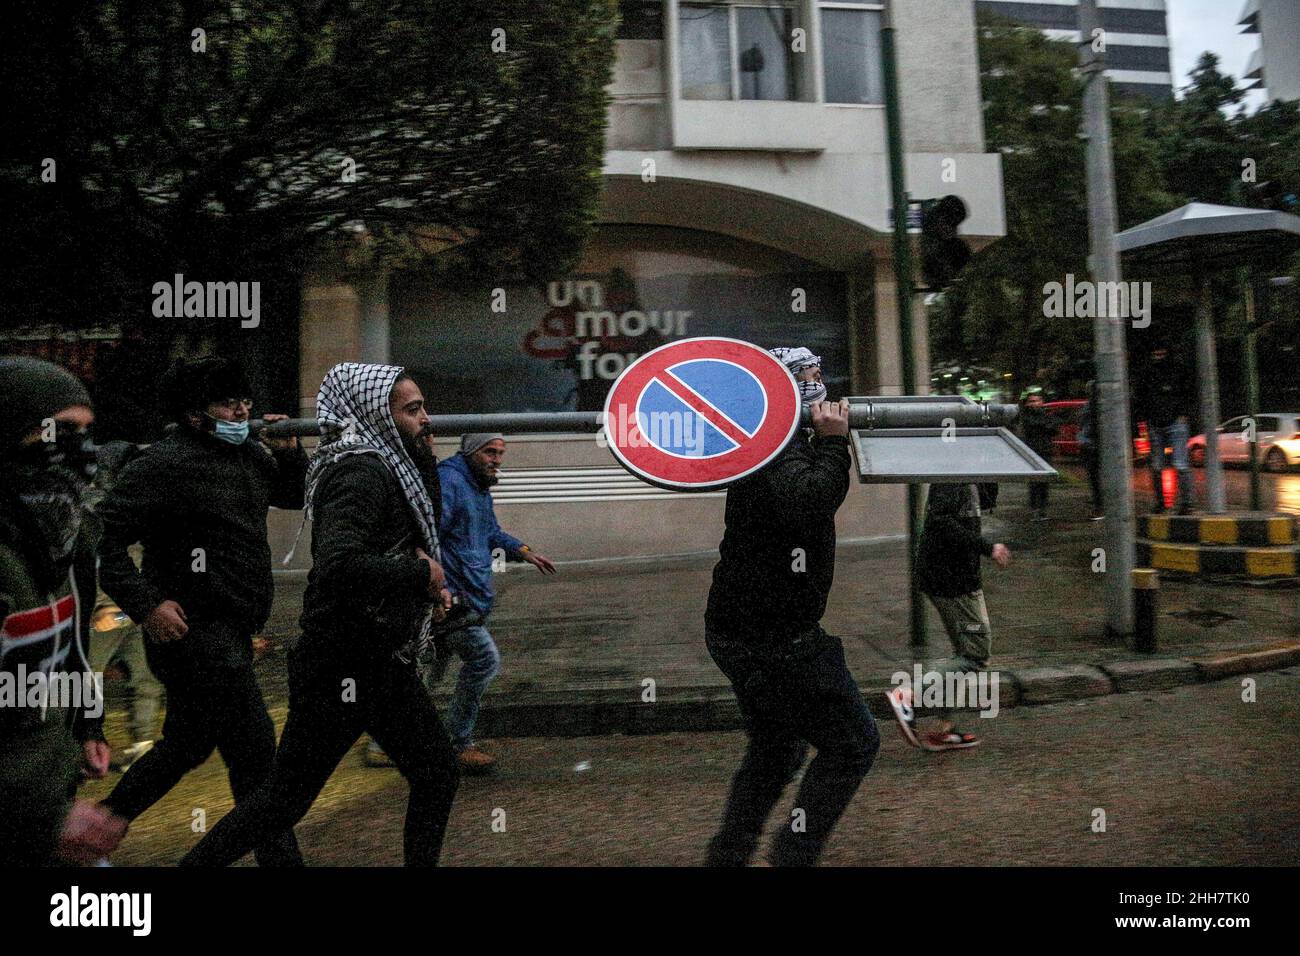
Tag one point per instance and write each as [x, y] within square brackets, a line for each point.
[219, 709]
[792, 696]
[144, 692]
[1175, 436]
[330, 706]
[481, 663]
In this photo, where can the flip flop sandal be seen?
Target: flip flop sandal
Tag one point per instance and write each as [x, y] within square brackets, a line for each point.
[903, 713]
[952, 740]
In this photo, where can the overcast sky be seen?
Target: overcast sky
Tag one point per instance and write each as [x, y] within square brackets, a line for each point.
[1199, 25]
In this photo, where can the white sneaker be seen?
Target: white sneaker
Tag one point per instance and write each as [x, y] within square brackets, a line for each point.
[129, 755]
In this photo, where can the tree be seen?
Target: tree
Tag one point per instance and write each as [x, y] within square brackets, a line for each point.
[1032, 116]
[231, 140]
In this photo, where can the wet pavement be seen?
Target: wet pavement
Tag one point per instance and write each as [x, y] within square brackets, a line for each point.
[1189, 776]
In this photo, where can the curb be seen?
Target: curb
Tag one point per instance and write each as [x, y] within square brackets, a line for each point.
[1247, 529]
[714, 707]
[1274, 561]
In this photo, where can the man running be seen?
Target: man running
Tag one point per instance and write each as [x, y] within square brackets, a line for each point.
[47, 592]
[374, 590]
[470, 536]
[762, 629]
[197, 502]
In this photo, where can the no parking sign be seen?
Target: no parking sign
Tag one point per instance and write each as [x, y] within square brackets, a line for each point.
[699, 414]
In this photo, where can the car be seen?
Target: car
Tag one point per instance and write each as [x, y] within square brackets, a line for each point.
[1277, 434]
[1067, 415]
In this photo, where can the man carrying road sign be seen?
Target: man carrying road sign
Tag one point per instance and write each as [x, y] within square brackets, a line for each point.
[763, 630]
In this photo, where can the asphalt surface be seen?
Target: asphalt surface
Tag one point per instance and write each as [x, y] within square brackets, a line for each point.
[1191, 776]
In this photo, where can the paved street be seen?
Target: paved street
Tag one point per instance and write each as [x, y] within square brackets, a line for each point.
[1191, 776]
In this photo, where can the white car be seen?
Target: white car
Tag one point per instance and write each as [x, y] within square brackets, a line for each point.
[1278, 434]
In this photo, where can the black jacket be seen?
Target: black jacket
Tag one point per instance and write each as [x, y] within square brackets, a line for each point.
[1038, 429]
[948, 555]
[778, 551]
[367, 592]
[192, 491]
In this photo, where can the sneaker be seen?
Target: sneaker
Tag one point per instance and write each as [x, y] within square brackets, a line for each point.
[474, 761]
[375, 756]
[123, 759]
[900, 701]
[948, 740]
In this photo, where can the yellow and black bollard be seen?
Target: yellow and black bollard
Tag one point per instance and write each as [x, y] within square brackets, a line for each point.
[1146, 589]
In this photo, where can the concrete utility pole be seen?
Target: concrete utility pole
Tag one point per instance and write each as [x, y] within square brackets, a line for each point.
[1116, 453]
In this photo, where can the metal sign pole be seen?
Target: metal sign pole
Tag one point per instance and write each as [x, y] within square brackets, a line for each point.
[862, 415]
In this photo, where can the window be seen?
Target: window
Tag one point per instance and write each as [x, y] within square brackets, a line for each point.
[851, 54]
[733, 51]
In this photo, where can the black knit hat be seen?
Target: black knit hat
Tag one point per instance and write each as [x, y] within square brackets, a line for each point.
[33, 391]
[192, 386]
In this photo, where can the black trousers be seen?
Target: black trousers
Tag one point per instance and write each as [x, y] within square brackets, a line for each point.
[209, 708]
[329, 708]
[791, 696]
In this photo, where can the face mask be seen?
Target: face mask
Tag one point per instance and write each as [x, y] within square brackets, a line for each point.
[236, 433]
[51, 479]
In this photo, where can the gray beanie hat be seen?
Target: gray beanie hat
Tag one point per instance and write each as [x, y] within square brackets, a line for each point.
[475, 440]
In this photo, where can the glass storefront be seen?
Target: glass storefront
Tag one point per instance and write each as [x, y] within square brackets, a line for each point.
[560, 348]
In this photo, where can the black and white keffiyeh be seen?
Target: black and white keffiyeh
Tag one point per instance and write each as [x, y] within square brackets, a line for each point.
[796, 360]
[352, 408]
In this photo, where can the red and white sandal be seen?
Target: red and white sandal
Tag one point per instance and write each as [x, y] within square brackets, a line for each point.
[948, 740]
[900, 701]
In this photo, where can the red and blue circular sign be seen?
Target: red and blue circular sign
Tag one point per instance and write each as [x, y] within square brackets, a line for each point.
[699, 414]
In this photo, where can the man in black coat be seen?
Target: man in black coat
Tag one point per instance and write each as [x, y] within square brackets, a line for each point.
[762, 629]
[197, 502]
[374, 591]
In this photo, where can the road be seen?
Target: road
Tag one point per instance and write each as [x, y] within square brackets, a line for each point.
[1278, 492]
[1191, 776]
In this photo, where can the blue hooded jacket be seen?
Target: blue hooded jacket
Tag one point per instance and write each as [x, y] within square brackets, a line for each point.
[469, 533]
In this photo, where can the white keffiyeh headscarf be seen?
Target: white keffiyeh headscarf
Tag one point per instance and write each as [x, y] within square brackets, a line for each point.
[352, 408]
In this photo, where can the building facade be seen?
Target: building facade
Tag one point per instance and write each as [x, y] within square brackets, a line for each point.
[745, 194]
[1275, 66]
[1137, 41]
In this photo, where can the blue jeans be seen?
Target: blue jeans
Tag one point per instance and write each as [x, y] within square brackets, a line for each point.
[1175, 436]
[790, 696]
[481, 663]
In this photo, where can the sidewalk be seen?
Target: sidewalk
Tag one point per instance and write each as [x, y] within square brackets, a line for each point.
[577, 647]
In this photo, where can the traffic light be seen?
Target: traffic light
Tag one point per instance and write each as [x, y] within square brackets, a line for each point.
[943, 254]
